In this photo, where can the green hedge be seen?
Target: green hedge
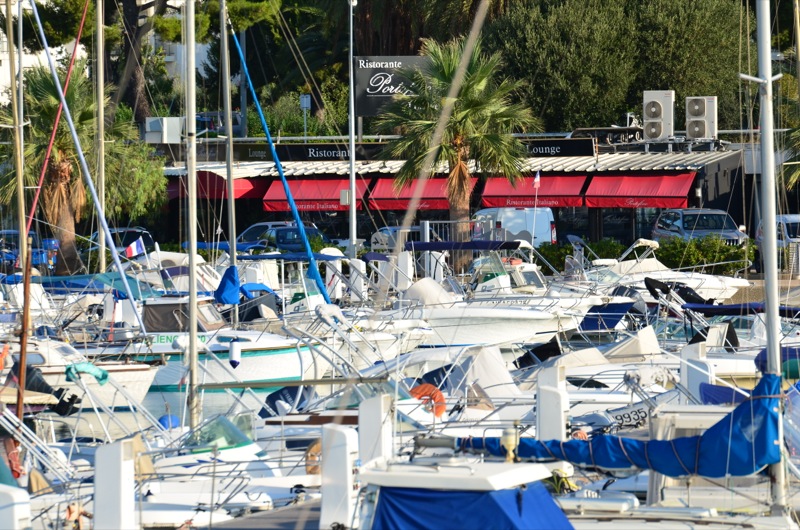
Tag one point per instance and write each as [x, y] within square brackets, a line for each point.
[673, 252]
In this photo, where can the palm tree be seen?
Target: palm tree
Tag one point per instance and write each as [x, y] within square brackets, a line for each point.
[135, 178]
[479, 129]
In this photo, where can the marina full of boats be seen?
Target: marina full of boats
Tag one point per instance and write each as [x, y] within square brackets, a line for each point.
[505, 387]
[386, 391]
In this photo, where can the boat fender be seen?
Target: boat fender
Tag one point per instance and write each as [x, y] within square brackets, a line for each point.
[235, 353]
[432, 397]
[312, 455]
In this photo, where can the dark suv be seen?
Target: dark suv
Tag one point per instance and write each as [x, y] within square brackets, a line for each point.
[287, 238]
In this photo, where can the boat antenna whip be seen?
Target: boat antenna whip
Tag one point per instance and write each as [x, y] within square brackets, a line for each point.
[313, 270]
[85, 168]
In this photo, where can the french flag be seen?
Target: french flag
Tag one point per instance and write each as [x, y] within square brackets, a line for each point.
[135, 248]
[537, 180]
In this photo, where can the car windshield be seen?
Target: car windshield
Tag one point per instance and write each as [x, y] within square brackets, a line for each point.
[292, 235]
[254, 233]
[708, 221]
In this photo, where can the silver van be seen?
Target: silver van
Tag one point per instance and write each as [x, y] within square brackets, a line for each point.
[696, 223]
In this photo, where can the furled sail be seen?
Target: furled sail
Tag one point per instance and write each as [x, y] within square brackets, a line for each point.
[742, 443]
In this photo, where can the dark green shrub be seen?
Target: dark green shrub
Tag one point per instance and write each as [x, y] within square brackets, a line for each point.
[703, 254]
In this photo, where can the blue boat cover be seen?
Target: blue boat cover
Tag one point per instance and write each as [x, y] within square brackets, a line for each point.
[529, 506]
[788, 353]
[289, 256]
[461, 245]
[720, 394]
[742, 443]
[228, 290]
[250, 289]
[374, 256]
[604, 317]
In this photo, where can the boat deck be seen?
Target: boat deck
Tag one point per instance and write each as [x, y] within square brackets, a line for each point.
[304, 516]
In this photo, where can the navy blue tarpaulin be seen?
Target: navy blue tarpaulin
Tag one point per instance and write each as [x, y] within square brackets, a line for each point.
[440, 246]
[528, 506]
[742, 443]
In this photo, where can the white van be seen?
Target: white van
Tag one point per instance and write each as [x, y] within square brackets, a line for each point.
[534, 225]
[385, 239]
[788, 227]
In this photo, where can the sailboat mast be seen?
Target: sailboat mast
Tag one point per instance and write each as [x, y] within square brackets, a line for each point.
[22, 243]
[351, 117]
[769, 249]
[192, 399]
[99, 72]
[226, 102]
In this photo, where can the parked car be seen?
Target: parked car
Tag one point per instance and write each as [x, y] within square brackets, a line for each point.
[696, 223]
[257, 233]
[287, 238]
[43, 253]
[788, 228]
[788, 234]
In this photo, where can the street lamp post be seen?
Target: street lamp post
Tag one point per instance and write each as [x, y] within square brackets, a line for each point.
[351, 122]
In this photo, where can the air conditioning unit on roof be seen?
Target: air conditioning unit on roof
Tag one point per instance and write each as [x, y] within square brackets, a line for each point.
[658, 111]
[701, 117]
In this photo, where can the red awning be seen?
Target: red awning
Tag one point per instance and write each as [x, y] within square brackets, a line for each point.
[434, 195]
[639, 191]
[554, 191]
[213, 186]
[312, 195]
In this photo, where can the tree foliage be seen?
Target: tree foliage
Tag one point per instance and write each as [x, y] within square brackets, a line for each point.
[576, 58]
[586, 63]
[692, 47]
[134, 178]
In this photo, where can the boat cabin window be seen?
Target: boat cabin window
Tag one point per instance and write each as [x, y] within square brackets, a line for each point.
[30, 358]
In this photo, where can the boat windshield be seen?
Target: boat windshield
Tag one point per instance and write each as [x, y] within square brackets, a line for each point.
[349, 398]
[218, 432]
[603, 275]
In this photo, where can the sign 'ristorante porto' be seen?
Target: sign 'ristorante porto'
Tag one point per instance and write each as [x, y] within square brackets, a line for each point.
[378, 79]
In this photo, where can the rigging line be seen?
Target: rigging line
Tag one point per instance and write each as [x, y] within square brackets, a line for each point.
[313, 269]
[84, 166]
[308, 76]
[127, 32]
[444, 117]
[57, 120]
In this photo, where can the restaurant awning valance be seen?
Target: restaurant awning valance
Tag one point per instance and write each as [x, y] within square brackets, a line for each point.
[312, 195]
[434, 195]
[554, 191]
[639, 191]
[211, 185]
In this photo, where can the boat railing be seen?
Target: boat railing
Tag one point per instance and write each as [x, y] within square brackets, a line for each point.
[43, 455]
[705, 267]
[54, 513]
